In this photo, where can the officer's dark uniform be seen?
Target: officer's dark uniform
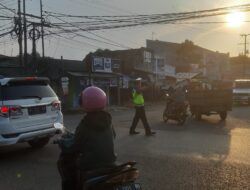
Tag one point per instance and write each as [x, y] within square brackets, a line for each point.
[138, 101]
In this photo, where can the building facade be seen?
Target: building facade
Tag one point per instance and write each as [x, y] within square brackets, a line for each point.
[213, 65]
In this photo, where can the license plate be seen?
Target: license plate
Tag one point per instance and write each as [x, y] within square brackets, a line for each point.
[36, 110]
[133, 186]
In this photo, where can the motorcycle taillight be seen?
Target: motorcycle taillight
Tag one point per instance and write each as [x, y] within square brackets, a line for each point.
[127, 176]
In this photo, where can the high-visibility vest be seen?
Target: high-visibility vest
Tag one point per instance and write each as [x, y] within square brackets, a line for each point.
[138, 99]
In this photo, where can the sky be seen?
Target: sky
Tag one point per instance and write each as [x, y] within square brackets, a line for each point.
[216, 37]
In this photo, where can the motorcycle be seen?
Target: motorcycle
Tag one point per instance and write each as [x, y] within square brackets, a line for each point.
[175, 111]
[119, 177]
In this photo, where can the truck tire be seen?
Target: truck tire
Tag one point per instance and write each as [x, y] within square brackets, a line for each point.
[39, 143]
[223, 115]
[198, 116]
[182, 119]
[164, 115]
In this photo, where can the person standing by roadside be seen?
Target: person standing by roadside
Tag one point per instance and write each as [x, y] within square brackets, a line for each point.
[138, 101]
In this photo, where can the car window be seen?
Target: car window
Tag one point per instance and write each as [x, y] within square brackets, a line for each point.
[23, 90]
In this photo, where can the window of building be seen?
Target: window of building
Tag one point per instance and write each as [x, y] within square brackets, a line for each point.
[147, 57]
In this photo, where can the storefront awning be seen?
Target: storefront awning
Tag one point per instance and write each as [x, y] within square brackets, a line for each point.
[95, 75]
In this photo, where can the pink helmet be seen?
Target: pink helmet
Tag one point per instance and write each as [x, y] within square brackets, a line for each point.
[93, 99]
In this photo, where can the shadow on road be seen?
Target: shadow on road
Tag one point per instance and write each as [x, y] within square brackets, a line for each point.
[211, 124]
[14, 152]
[24, 152]
[241, 114]
[24, 168]
[209, 138]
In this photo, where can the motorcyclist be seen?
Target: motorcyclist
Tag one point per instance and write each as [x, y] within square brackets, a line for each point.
[179, 98]
[176, 98]
[170, 91]
[93, 145]
[169, 98]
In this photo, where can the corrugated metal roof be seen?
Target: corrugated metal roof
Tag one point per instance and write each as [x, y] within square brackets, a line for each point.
[186, 75]
[98, 75]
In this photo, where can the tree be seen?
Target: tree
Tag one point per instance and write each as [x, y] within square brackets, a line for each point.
[187, 55]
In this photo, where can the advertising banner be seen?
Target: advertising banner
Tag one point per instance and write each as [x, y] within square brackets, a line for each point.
[97, 64]
[101, 64]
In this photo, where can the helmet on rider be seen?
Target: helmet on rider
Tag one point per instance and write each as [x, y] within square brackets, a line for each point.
[93, 99]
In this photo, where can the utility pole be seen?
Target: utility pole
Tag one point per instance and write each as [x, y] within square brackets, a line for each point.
[245, 53]
[245, 43]
[33, 34]
[42, 23]
[25, 34]
[20, 39]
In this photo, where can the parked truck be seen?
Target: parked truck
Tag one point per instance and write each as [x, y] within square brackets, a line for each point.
[210, 99]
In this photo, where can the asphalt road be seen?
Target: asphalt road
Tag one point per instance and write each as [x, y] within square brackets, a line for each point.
[206, 154]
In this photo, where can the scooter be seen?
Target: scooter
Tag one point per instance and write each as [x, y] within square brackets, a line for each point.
[119, 177]
[173, 111]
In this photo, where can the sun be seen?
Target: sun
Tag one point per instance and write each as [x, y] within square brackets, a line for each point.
[235, 19]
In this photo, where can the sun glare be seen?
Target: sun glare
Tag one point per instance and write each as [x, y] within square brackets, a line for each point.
[235, 19]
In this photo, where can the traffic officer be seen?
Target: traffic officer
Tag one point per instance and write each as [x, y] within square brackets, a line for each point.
[138, 101]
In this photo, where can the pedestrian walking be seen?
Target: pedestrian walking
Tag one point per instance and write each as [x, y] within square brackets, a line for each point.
[138, 101]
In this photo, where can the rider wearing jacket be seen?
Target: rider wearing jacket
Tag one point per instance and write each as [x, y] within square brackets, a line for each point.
[177, 98]
[93, 145]
[94, 141]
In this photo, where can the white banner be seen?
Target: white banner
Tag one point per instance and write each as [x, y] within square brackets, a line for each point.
[101, 64]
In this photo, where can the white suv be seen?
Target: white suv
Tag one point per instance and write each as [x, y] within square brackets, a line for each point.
[30, 111]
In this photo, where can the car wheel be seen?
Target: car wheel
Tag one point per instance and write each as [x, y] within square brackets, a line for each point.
[39, 143]
[198, 116]
[182, 119]
[223, 115]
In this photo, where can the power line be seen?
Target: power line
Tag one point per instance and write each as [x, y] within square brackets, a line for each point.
[80, 35]
[70, 39]
[121, 21]
[10, 29]
[12, 10]
[112, 42]
[6, 33]
[230, 8]
[81, 23]
[9, 3]
[4, 16]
